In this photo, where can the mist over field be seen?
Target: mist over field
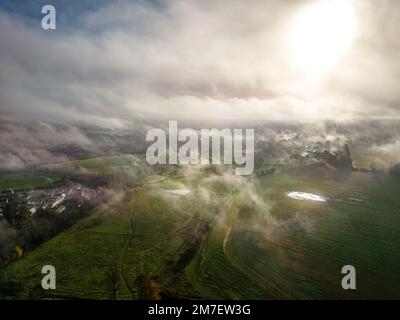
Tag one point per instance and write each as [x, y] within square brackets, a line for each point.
[29, 144]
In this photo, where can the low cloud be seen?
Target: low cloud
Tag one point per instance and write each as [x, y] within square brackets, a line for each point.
[23, 145]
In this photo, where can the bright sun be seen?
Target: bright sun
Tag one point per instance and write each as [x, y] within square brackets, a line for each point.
[321, 34]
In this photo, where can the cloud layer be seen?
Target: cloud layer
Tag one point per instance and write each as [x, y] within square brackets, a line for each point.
[190, 59]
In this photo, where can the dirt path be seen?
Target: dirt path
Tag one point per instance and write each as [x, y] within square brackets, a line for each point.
[203, 252]
[228, 234]
[48, 179]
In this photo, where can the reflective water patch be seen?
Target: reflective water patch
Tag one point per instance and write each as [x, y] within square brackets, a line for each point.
[305, 196]
[181, 192]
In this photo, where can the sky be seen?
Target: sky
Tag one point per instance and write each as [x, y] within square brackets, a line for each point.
[110, 63]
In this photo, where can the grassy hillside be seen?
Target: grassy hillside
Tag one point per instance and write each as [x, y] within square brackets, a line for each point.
[27, 180]
[222, 240]
[102, 165]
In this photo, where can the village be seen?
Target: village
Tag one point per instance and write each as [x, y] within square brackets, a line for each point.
[55, 198]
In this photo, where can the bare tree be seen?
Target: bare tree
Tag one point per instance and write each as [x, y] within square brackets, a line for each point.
[113, 277]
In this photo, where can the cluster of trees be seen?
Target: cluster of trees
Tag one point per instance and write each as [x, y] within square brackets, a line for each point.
[20, 231]
[395, 171]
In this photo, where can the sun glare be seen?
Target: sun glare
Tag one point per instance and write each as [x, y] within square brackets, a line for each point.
[321, 34]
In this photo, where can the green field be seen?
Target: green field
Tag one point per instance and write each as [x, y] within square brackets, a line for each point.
[227, 242]
[102, 165]
[50, 174]
[27, 180]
